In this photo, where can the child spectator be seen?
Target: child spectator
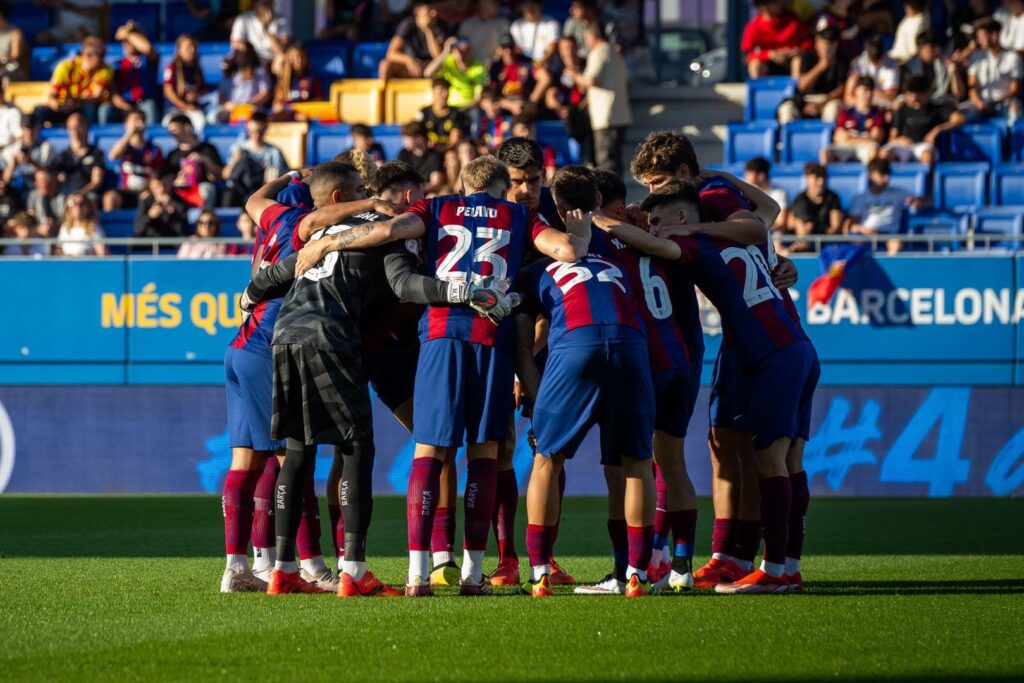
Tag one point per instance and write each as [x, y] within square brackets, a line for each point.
[245, 82]
[941, 76]
[816, 210]
[183, 83]
[22, 158]
[755, 172]
[879, 211]
[993, 78]
[483, 30]
[79, 83]
[81, 230]
[196, 165]
[445, 126]
[428, 162]
[860, 129]
[417, 41]
[140, 160]
[46, 203]
[297, 83]
[253, 162]
[80, 167]
[874, 64]
[535, 33]
[161, 212]
[820, 75]
[916, 125]
[915, 21]
[13, 48]
[134, 79]
[23, 226]
[773, 39]
[200, 246]
[362, 139]
[466, 77]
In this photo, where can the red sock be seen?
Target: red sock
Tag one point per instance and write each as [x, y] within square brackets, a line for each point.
[661, 515]
[722, 535]
[540, 543]
[421, 501]
[481, 487]
[798, 515]
[684, 530]
[263, 519]
[776, 504]
[504, 521]
[641, 542]
[237, 504]
[308, 538]
[620, 542]
[561, 499]
[442, 536]
[337, 529]
[747, 539]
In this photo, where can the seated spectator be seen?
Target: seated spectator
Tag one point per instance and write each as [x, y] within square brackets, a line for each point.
[1011, 16]
[512, 79]
[993, 78]
[837, 14]
[23, 226]
[915, 21]
[261, 29]
[483, 30]
[13, 48]
[820, 75]
[941, 75]
[200, 246]
[161, 212]
[535, 33]
[22, 158]
[348, 20]
[10, 122]
[183, 83]
[362, 139]
[196, 165]
[74, 21]
[860, 129]
[567, 98]
[773, 40]
[418, 40]
[755, 172]
[428, 162]
[80, 230]
[464, 153]
[140, 160]
[465, 76]
[253, 162]
[916, 125]
[245, 82]
[582, 13]
[81, 167]
[816, 210]
[134, 77]
[79, 83]
[247, 228]
[10, 202]
[525, 126]
[874, 64]
[879, 211]
[297, 83]
[46, 203]
[445, 126]
[494, 123]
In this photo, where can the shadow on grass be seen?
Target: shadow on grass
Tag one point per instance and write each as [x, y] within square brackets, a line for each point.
[981, 587]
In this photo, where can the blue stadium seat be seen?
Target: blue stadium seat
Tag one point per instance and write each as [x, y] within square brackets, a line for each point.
[57, 137]
[974, 142]
[803, 140]
[910, 177]
[390, 138]
[118, 223]
[324, 141]
[998, 221]
[847, 181]
[764, 96]
[938, 224]
[733, 169]
[159, 136]
[365, 59]
[229, 221]
[145, 14]
[745, 141]
[44, 60]
[223, 137]
[553, 133]
[960, 184]
[329, 60]
[211, 58]
[1007, 184]
[179, 20]
[31, 19]
[104, 137]
[790, 178]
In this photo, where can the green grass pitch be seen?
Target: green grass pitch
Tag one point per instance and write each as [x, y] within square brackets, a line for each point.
[125, 588]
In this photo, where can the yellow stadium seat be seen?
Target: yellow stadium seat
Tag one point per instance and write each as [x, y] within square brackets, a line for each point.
[27, 95]
[240, 113]
[359, 100]
[291, 138]
[404, 97]
[316, 111]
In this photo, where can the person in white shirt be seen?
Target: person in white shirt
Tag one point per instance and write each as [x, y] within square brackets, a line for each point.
[535, 33]
[80, 229]
[484, 29]
[606, 82]
[874, 64]
[993, 77]
[1011, 16]
[879, 211]
[263, 30]
[914, 22]
[756, 173]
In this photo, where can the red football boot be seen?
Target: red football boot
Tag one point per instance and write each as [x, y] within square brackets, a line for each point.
[757, 581]
[369, 586]
[506, 573]
[796, 582]
[716, 572]
[560, 577]
[282, 583]
[635, 588]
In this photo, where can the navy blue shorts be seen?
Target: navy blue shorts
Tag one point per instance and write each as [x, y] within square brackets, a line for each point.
[674, 398]
[462, 389]
[249, 382]
[728, 403]
[392, 375]
[780, 390]
[596, 376]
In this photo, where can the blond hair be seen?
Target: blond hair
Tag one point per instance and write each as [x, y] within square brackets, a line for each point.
[483, 172]
[89, 217]
[363, 162]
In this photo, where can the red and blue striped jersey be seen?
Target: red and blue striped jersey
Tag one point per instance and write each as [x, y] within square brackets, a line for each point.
[468, 239]
[737, 279]
[273, 244]
[719, 199]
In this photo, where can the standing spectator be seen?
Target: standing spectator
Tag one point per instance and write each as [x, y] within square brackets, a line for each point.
[773, 40]
[583, 13]
[134, 77]
[483, 30]
[81, 166]
[916, 125]
[568, 99]
[245, 82]
[79, 83]
[80, 229]
[606, 82]
[196, 165]
[915, 21]
[1011, 17]
[161, 212]
[820, 75]
[816, 210]
[941, 76]
[362, 139]
[879, 211]
[465, 75]
[860, 129]
[46, 202]
[200, 246]
[75, 20]
[445, 126]
[253, 162]
[22, 158]
[297, 83]
[418, 40]
[10, 202]
[183, 83]
[140, 160]
[23, 226]
[756, 173]
[535, 33]
[13, 48]
[263, 31]
[428, 162]
[993, 78]
[874, 64]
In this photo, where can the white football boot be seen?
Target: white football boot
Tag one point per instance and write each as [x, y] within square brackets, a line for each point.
[236, 581]
[673, 582]
[609, 585]
[327, 580]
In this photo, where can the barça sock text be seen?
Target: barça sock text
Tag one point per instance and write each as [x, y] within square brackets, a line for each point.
[504, 520]
[421, 501]
[298, 466]
[481, 485]
[798, 515]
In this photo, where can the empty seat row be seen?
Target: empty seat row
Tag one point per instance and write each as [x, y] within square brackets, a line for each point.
[121, 223]
[990, 227]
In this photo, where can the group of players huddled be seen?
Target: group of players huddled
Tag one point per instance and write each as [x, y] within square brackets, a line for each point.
[458, 310]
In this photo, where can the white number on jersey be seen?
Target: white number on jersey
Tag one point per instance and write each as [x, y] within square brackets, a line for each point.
[753, 263]
[326, 267]
[610, 274]
[496, 240]
[655, 291]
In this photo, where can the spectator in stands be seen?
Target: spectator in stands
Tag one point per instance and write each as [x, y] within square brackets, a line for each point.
[10, 122]
[161, 212]
[347, 19]
[756, 172]
[80, 167]
[139, 159]
[464, 74]
[874, 64]
[879, 211]
[183, 83]
[418, 40]
[606, 83]
[993, 78]
[915, 21]
[525, 126]
[428, 162]
[79, 83]
[23, 226]
[13, 48]
[10, 202]
[245, 82]
[483, 30]
[296, 83]
[916, 125]
[252, 163]
[196, 165]
[582, 13]
[535, 33]
[75, 20]
[22, 158]
[773, 40]
[820, 75]
[445, 126]
[80, 230]
[493, 122]
[860, 129]
[46, 202]
[941, 75]
[464, 153]
[567, 99]
[837, 14]
[362, 139]
[134, 79]
[265, 32]
[200, 245]
[246, 228]
[816, 210]
[1011, 16]
[512, 79]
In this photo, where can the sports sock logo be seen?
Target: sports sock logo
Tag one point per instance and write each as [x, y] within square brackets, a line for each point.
[344, 493]
[471, 492]
[425, 501]
[279, 498]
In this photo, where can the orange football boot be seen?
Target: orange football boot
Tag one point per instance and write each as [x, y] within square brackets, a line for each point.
[716, 572]
[560, 577]
[757, 581]
[506, 573]
[282, 583]
[369, 586]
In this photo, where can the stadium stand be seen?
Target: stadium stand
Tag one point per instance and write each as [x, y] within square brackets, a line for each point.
[960, 185]
[750, 139]
[847, 181]
[766, 94]
[803, 140]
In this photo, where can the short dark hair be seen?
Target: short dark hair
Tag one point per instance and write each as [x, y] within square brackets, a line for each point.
[395, 173]
[880, 166]
[988, 24]
[927, 38]
[917, 5]
[918, 84]
[575, 187]
[331, 173]
[865, 82]
[520, 153]
[525, 119]
[664, 152]
[673, 193]
[815, 169]
[611, 187]
[5, 9]
[414, 129]
[758, 165]
[180, 119]
[259, 116]
[439, 82]
[362, 130]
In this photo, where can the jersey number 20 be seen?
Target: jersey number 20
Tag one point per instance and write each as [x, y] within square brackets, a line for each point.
[753, 264]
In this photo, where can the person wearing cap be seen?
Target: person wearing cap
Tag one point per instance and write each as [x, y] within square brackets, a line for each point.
[993, 78]
[820, 74]
[879, 210]
[773, 39]
[465, 74]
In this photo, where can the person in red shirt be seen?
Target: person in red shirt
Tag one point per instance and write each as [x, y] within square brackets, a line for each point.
[773, 39]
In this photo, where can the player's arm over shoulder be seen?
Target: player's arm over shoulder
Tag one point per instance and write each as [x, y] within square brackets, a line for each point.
[363, 236]
[270, 283]
[569, 246]
[641, 240]
[401, 267]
